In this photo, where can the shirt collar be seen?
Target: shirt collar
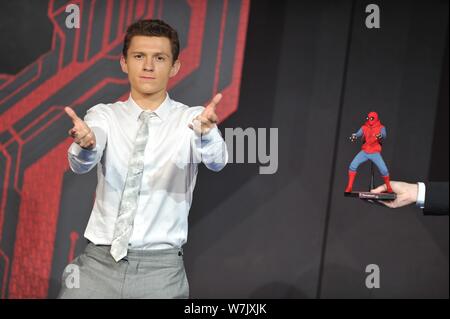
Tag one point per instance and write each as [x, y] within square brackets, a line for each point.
[162, 111]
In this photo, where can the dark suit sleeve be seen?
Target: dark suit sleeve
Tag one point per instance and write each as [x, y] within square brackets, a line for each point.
[436, 198]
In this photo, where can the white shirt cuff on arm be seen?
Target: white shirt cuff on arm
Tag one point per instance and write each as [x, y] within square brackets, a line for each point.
[82, 154]
[421, 195]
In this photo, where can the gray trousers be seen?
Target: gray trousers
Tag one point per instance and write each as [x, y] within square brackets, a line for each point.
[141, 274]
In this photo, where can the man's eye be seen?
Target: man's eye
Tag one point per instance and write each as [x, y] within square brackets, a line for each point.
[160, 58]
[138, 56]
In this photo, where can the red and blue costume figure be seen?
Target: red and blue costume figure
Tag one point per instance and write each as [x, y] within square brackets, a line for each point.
[372, 133]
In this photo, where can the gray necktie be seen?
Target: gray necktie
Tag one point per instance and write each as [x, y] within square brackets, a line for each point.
[128, 205]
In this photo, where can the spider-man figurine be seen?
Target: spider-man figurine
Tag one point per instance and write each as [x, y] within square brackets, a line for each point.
[372, 133]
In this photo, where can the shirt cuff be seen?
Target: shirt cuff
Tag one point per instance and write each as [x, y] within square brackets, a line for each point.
[211, 136]
[83, 154]
[421, 195]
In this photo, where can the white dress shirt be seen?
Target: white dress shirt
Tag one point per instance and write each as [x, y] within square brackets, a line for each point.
[172, 154]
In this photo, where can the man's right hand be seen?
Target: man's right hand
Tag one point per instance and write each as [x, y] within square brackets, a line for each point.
[406, 193]
[80, 132]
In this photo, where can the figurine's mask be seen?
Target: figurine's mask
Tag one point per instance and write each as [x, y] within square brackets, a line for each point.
[372, 119]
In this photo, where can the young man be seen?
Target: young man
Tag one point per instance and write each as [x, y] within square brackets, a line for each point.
[146, 150]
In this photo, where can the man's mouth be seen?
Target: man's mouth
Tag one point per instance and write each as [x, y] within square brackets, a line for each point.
[147, 77]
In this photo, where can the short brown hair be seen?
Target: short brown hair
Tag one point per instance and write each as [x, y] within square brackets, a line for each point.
[152, 28]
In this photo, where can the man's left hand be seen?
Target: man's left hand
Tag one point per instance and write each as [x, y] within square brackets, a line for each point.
[204, 122]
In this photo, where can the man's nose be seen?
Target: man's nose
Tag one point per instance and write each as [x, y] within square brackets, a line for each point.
[148, 65]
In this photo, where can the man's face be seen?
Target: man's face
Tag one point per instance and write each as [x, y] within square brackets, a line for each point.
[149, 64]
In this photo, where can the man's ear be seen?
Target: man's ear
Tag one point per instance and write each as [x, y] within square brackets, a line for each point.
[175, 68]
[123, 64]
